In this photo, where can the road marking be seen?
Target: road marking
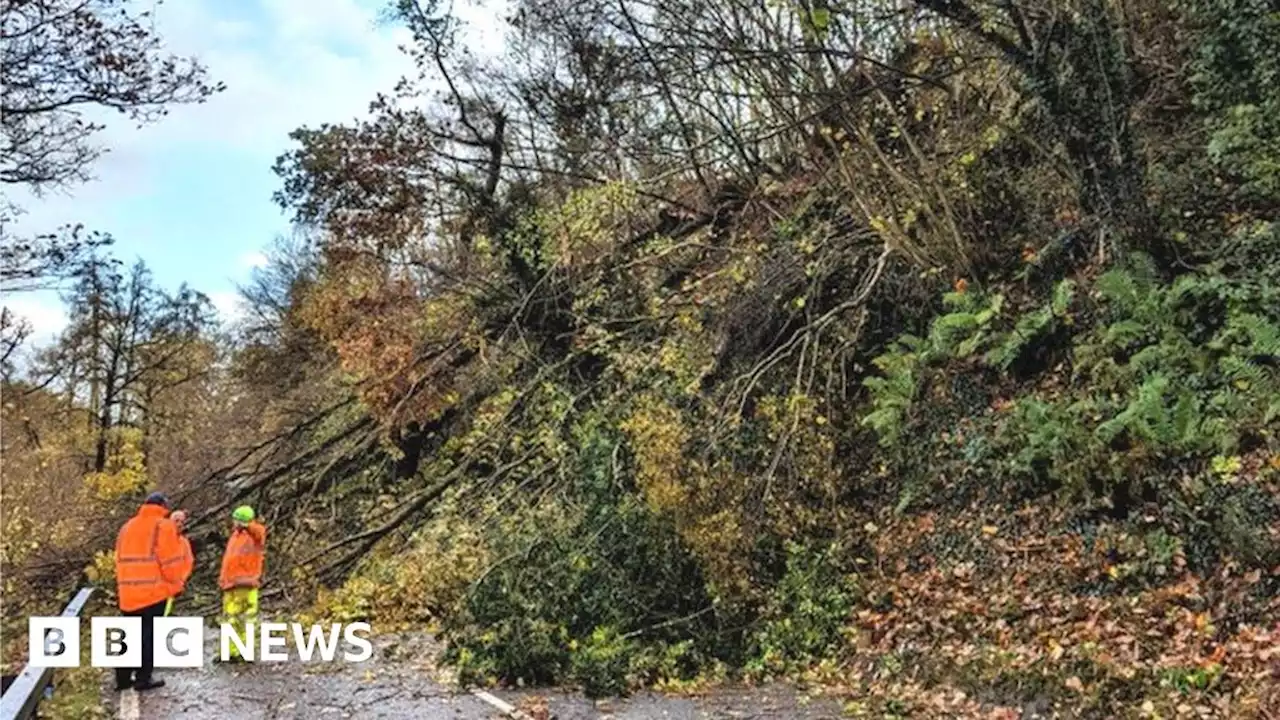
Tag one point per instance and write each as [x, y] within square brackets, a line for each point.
[504, 707]
[129, 705]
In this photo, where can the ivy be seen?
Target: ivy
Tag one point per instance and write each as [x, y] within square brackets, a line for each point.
[1236, 73]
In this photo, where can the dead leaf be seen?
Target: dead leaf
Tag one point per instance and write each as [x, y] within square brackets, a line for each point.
[1055, 650]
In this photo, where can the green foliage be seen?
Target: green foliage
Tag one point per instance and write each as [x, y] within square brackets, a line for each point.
[966, 329]
[587, 588]
[805, 614]
[601, 662]
[1253, 250]
[1236, 75]
[1227, 519]
[970, 327]
[1175, 369]
[893, 394]
[1187, 680]
[1151, 556]
[1188, 359]
[1034, 327]
[1247, 142]
[408, 587]
[1164, 377]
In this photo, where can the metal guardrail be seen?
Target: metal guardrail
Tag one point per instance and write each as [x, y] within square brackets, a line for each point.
[28, 689]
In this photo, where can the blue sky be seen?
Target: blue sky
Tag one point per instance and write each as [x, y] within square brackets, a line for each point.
[191, 195]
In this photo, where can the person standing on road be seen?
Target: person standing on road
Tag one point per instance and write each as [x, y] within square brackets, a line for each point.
[241, 574]
[149, 558]
[188, 564]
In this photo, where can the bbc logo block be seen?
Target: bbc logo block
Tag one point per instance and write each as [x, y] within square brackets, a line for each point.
[179, 642]
[116, 642]
[54, 642]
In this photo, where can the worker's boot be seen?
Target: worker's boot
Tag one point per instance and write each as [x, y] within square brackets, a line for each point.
[148, 684]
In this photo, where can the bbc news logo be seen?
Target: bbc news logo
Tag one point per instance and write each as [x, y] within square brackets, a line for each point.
[178, 642]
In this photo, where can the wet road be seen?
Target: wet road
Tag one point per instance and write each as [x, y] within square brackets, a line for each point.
[402, 681]
[398, 682]
[766, 703]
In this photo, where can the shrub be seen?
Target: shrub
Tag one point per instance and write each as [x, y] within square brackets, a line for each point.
[411, 586]
[805, 614]
[582, 584]
[1162, 377]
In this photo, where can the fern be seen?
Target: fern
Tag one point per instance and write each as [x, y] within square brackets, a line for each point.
[893, 394]
[1063, 293]
[1187, 418]
[956, 334]
[1032, 327]
[1243, 373]
[1134, 419]
[1149, 359]
[1146, 373]
[963, 332]
[1029, 328]
[1123, 290]
[1049, 432]
[1125, 333]
[1263, 336]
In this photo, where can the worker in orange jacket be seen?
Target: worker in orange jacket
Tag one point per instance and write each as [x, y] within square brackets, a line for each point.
[241, 575]
[188, 564]
[149, 561]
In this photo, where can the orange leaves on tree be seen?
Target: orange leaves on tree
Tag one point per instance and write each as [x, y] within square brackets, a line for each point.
[395, 346]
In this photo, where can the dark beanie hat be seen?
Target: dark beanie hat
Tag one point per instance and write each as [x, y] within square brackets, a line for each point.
[157, 498]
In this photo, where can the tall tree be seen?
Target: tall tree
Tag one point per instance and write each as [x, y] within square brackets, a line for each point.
[127, 342]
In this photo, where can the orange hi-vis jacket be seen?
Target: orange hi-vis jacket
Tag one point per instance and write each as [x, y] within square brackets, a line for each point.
[188, 564]
[149, 559]
[243, 560]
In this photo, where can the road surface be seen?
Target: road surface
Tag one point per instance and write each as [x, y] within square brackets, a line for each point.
[402, 681]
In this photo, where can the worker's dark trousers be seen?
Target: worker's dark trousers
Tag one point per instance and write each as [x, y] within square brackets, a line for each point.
[143, 674]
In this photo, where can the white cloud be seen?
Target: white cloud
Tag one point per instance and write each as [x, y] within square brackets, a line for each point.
[306, 20]
[301, 62]
[228, 304]
[44, 312]
[253, 260]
